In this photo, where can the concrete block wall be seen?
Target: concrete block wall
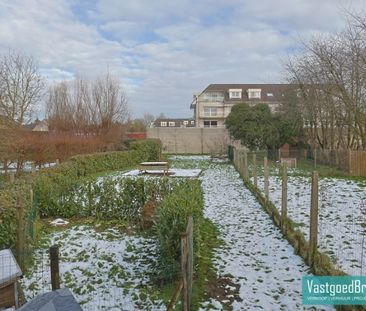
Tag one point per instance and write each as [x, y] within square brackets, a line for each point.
[191, 140]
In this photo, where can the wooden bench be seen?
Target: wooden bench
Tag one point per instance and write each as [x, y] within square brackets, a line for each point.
[154, 166]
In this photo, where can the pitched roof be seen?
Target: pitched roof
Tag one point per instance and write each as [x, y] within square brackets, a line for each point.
[277, 90]
[59, 300]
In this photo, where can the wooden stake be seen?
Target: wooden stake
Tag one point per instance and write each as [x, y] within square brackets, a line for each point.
[12, 177]
[246, 174]
[284, 198]
[20, 232]
[313, 242]
[55, 271]
[255, 179]
[266, 178]
[33, 168]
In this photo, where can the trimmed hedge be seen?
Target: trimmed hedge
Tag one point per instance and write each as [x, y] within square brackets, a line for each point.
[52, 187]
[185, 200]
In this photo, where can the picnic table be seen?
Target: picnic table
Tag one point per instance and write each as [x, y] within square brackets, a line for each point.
[10, 273]
[154, 166]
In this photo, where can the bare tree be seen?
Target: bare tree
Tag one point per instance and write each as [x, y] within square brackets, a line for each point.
[109, 102]
[148, 119]
[331, 75]
[87, 106]
[20, 86]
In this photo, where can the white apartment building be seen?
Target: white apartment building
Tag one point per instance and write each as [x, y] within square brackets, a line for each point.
[213, 105]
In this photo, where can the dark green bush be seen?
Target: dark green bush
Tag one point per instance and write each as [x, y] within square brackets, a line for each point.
[54, 186]
[8, 198]
[185, 200]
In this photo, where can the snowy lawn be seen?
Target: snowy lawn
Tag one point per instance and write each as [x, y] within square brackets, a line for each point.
[254, 254]
[342, 216]
[105, 269]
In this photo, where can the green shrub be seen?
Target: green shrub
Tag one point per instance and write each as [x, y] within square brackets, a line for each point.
[8, 198]
[54, 186]
[185, 200]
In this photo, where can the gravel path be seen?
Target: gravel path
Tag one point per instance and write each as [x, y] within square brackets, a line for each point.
[254, 254]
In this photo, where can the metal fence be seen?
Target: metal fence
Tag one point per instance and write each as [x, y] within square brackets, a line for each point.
[339, 225]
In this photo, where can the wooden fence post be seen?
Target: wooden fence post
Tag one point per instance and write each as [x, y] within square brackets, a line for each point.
[255, 179]
[12, 177]
[20, 231]
[284, 198]
[266, 178]
[31, 197]
[313, 241]
[246, 174]
[55, 271]
[349, 154]
[33, 168]
[187, 264]
[241, 163]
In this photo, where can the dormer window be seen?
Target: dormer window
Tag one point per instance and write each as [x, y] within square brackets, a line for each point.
[171, 123]
[269, 94]
[254, 93]
[163, 124]
[235, 93]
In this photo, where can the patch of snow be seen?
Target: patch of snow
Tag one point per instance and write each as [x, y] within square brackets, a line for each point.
[59, 222]
[173, 172]
[254, 253]
[106, 270]
[342, 216]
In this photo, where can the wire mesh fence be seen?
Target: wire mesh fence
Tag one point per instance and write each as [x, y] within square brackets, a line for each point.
[341, 213]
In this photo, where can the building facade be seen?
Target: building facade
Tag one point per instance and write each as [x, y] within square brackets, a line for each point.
[170, 122]
[213, 105]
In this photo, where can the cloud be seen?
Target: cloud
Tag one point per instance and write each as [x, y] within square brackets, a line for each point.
[164, 51]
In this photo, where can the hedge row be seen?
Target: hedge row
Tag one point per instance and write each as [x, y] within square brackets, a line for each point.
[173, 212]
[52, 187]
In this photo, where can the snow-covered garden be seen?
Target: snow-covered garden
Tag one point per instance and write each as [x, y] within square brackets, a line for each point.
[342, 216]
[253, 254]
[106, 269]
[112, 269]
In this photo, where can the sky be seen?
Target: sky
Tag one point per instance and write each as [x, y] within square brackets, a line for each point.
[164, 51]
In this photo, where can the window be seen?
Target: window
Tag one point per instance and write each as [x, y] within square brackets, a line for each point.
[269, 94]
[213, 96]
[254, 93]
[185, 123]
[210, 123]
[192, 122]
[171, 123]
[210, 111]
[162, 123]
[235, 93]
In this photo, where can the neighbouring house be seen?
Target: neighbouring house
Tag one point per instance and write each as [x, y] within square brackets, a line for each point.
[213, 105]
[168, 122]
[37, 126]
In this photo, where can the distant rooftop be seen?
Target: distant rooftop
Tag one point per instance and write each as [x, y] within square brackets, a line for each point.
[269, 92]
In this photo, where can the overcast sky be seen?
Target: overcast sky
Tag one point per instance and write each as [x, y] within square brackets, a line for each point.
[163, 51]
